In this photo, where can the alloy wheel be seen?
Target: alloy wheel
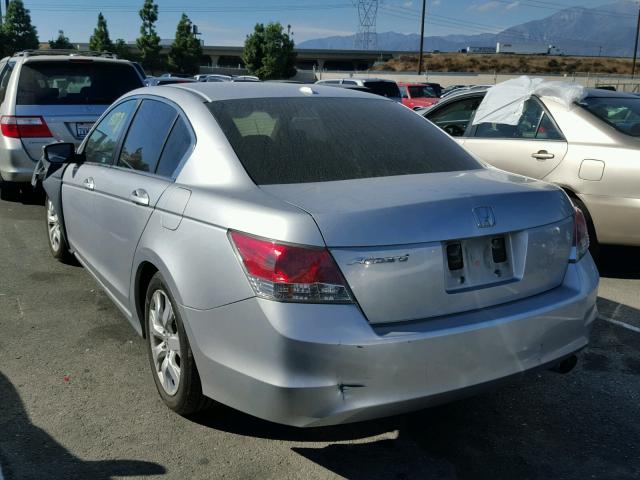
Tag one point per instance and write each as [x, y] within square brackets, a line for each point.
[165, 342]
[53, 226]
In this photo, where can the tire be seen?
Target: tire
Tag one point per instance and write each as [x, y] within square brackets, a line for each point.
[594, 246]
[179, 388]
[57, 242]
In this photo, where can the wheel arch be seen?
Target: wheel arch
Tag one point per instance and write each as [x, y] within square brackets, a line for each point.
[147, 265]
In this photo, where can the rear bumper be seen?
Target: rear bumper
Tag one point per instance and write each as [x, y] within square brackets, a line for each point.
[310, 365]
[15, 164]
[616, 219]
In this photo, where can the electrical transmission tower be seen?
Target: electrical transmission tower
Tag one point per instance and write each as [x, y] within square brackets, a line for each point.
[366, 38]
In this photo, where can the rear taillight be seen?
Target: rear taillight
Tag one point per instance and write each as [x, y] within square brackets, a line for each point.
[289, 273]
[580, 236]
[24, 127]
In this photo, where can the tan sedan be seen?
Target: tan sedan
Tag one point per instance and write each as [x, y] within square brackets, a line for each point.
[591, 149]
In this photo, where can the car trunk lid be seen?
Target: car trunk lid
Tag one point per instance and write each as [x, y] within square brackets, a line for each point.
[396, 239]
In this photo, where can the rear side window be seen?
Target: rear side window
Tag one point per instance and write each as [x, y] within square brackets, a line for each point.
[177, 145]
[534, 123]
[147, 135]
[300, 140]
[5, 75]
[386, 89]
[81, 82]
[622, 113]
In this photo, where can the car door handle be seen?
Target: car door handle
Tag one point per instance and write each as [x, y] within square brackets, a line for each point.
[89, 184]
[543, 155]
[139, 196]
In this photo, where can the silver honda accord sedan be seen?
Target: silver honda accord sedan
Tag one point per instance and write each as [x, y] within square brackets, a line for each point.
[312, 255]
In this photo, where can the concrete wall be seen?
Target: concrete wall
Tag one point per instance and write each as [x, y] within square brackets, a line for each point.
[446, 79]
[622, 83]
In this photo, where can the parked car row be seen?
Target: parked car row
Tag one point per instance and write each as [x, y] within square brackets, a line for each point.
[414, 95]
[314, 255]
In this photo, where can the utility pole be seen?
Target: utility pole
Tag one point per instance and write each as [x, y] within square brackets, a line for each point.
[424, 7]
[635, 47]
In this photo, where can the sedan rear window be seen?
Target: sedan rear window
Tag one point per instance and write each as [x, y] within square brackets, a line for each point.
[302, 140]
[418, 91]
[622, 113]
[385, 89]
[75, 82]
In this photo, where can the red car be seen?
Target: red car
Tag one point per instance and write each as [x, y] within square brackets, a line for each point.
[417, 95]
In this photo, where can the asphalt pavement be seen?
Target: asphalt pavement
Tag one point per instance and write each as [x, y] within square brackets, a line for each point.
[77, 400]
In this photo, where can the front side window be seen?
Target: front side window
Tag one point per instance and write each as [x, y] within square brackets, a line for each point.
[301, 140]
[622, 113]
[455, 117]
[534, 124]
[75, 82]
[103, 141]
[146, 136]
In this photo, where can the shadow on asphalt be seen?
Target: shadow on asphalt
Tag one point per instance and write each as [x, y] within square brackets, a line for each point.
[28, 452]
[21, 193]
[619, 262]
[229, 420]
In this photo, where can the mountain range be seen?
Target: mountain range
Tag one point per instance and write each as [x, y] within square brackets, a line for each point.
[608, 30]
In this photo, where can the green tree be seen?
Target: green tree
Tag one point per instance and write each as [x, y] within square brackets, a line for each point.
[186, 50]
[4, 51]
[100, 41]
[61, 43]
[122, 50]
[149, 42]
[268, 52]
[18, 32]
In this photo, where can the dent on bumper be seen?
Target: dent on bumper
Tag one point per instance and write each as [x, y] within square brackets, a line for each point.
[309, 365]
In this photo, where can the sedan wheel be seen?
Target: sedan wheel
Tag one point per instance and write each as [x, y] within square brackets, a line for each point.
[170, 356]
[57, 243]
[165, 342]
[53, 225]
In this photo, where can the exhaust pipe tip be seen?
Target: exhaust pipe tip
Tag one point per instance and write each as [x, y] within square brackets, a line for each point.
[566, 365]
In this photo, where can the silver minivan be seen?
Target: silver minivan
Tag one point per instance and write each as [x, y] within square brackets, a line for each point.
[48, 96]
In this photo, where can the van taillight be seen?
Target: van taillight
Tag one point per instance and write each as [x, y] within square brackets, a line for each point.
[24, 127]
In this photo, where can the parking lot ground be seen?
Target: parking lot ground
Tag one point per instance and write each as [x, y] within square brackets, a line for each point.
[77, 399]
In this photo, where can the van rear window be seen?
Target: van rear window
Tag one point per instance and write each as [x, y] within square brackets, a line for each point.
[301, 140]
[75, 82]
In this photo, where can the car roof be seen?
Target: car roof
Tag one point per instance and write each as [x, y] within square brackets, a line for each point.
[599, 93]
[242, 90]
[69, 58]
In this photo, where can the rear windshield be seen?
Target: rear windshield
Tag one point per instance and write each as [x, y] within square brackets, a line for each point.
[302, 140]
[70, 83]
[621, 113]
[420, 91]
[386, 89]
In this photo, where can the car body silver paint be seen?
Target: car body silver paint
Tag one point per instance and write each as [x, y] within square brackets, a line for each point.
[293, 363]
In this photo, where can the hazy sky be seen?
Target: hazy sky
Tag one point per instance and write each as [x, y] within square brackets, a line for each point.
[226, 22]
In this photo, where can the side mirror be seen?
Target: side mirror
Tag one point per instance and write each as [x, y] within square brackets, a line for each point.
[60, 153]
